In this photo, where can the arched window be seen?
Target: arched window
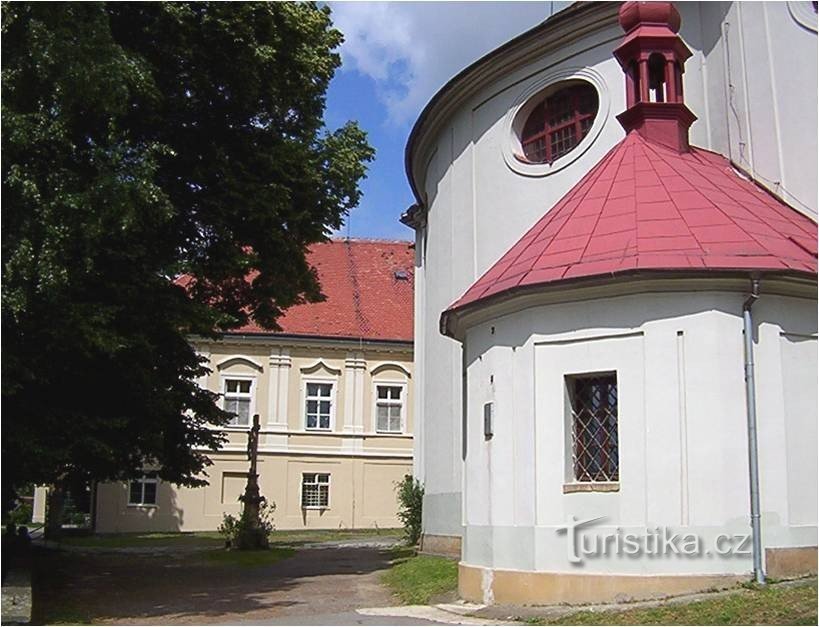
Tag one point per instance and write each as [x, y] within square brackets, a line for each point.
[656, 78]
[559, 123]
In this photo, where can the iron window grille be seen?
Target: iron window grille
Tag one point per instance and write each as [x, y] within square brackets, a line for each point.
[318, 402]
[595, 454]
[142, 491]
[388, 408]
[238, 396]
[556, 125]
[315, 490]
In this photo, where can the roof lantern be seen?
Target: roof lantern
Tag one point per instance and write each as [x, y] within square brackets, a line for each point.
[653, 57]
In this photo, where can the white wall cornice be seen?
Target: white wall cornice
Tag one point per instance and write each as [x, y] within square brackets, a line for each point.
[549, 36]
[387, 365]
[239, 359]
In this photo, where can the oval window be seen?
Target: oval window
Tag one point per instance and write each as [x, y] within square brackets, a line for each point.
[559, 122]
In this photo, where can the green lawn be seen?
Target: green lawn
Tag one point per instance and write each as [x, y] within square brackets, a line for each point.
[324, 535]
[417, 579]
[211, 539]
[248, 558]
[204, 539]
[774, 605]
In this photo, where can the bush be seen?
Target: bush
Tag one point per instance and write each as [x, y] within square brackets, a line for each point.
[21, 515]
[411, 498]
[241, 533]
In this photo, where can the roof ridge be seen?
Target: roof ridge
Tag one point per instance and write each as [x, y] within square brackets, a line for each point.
[367, 240]
[364, 326]
[654, 209]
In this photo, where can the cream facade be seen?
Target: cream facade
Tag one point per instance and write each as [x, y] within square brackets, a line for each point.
[357, 457]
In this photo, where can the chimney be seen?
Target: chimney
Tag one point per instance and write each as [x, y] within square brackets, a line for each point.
[653, 56]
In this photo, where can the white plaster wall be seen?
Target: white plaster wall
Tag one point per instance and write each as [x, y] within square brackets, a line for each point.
[682, 427]
[754, 94]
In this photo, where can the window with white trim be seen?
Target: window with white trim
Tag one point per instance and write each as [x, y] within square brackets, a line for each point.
[389, 407]
[142, 491]
[318, 404]
[315, 490]
[238, 398]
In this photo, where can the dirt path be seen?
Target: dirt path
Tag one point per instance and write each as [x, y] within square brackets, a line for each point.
[185, 589]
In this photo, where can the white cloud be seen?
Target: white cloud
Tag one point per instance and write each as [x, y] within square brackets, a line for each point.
[410, 49]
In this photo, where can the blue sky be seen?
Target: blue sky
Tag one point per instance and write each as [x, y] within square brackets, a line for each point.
[396, 55]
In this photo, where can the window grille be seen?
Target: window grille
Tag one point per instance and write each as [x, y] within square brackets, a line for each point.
[595, 455]
[318, 401]
[388, 408]
[315, 490]
[142, 491]
[556, 125]
[237, 401]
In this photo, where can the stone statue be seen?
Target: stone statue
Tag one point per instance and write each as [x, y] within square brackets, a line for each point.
[254, 535]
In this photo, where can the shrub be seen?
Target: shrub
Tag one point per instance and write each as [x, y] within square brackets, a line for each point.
[21, 515]
[241, 533]
[410, 497]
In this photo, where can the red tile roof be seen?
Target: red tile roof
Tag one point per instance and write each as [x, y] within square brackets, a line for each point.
[369, 290]
[645, 207]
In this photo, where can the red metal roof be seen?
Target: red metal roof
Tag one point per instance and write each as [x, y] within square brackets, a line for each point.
[645, 207]
[365, 297]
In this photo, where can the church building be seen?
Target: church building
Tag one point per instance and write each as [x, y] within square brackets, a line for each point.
[616, 332]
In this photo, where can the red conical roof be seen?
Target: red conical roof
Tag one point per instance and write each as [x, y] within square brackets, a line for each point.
[645, 207]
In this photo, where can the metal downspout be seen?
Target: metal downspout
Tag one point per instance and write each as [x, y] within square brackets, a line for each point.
[753, 458]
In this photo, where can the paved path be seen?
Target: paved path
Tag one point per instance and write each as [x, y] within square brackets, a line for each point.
[321, 585]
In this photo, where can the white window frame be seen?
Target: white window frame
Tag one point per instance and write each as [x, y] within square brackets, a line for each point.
[329, 490]
[392, 384]
[333, 383]
[224, 378]
[142, 481]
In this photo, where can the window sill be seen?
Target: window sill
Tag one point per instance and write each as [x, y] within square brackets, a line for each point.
[142, 505]
[591, 486]
[315, 508]
[389, 433]
[318, 429]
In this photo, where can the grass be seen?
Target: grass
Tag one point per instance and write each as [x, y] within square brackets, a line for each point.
[417, 579]
[248, 559]
[285, 537]
[779, 605]
[212, 539]
[127, 540]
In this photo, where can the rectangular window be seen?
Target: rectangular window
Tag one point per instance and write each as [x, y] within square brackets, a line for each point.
[142, 491]
[595, 455]
[388, 408]
[315, 490]
[237, 401]
[318, 401]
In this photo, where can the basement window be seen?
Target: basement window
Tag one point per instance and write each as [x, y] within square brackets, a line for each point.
[142, 491]
[593, 407]
[315, 490]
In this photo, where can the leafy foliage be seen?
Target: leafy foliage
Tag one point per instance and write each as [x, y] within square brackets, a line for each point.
[243, 533]
[411, 499]
[143, 142]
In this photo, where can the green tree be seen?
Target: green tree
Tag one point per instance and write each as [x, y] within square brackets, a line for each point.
[142, 142]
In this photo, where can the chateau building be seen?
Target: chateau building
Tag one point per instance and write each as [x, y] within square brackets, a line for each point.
[334, 394]
[616, 334]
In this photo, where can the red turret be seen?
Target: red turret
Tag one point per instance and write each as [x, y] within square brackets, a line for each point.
[653, 57]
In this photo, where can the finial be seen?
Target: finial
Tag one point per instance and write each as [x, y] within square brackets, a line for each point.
[633, 14]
